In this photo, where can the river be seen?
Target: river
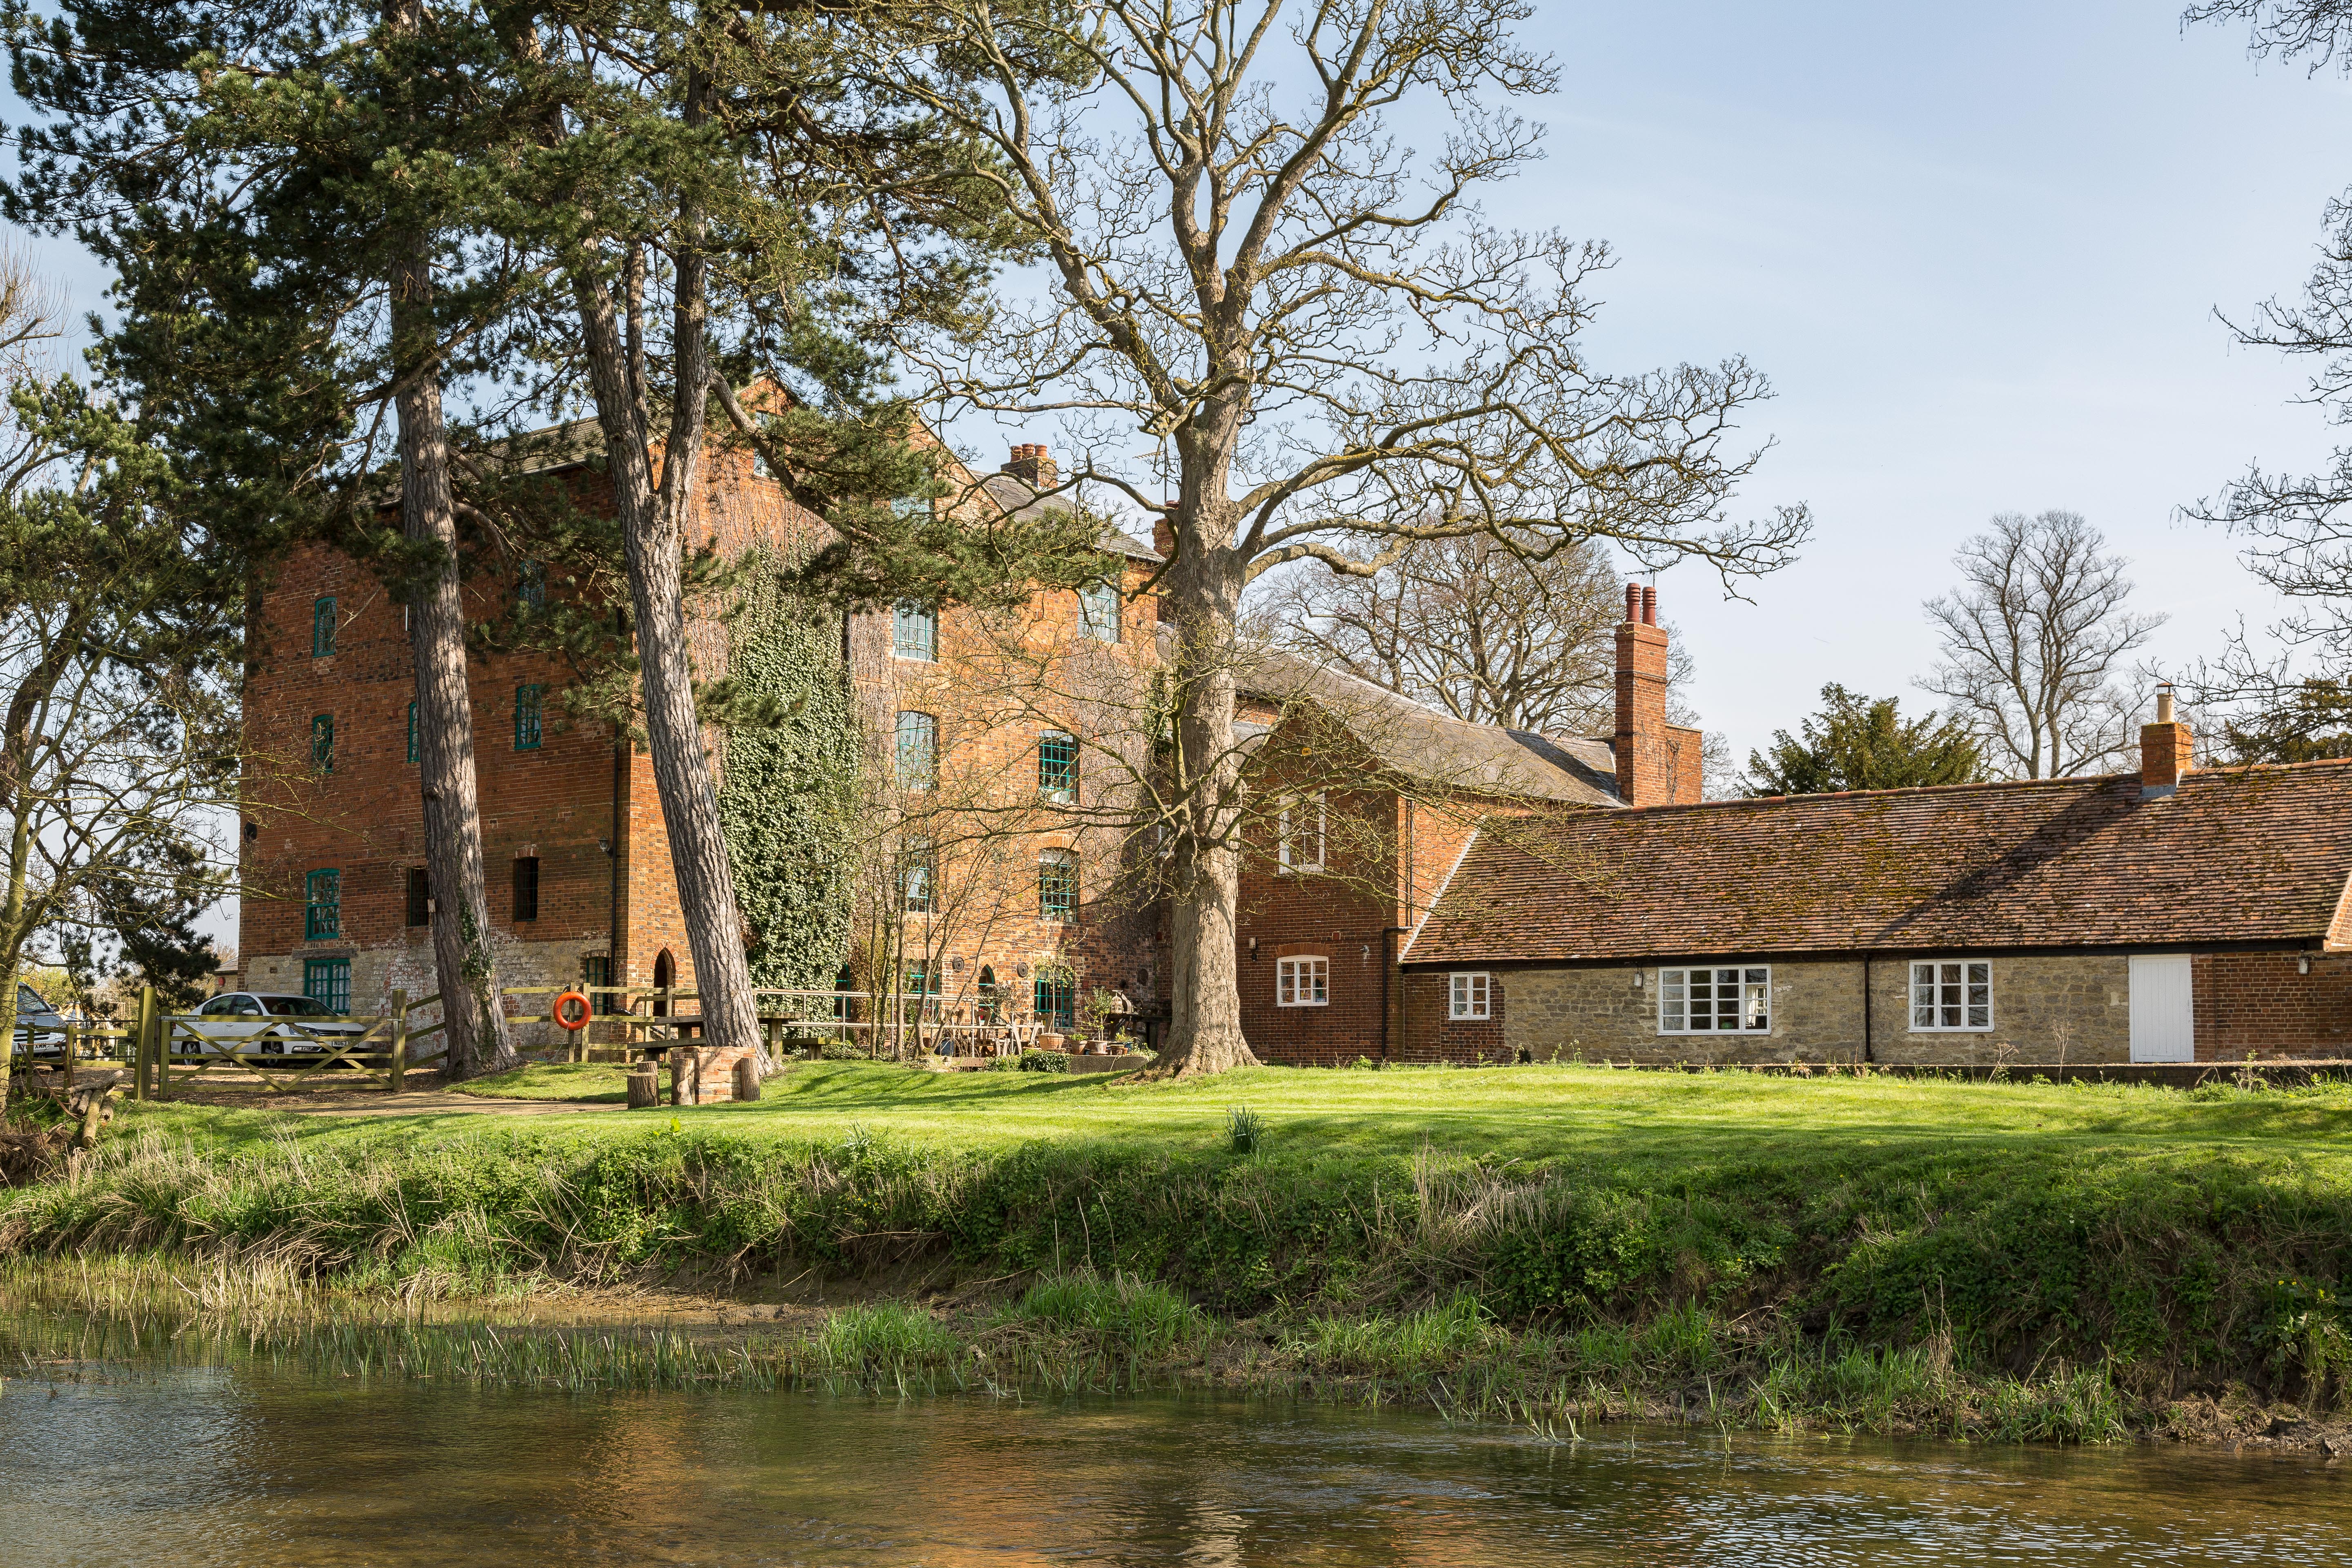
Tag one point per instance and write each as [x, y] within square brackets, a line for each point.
[235, 1460]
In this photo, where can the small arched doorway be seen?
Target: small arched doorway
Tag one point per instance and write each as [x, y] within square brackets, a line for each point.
[665, 976]
[991, 996]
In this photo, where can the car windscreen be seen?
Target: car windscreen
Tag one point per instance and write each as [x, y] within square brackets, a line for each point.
[29, 1000]
[295, 1007]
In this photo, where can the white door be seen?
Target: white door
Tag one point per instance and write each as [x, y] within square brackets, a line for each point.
[2163, 1011]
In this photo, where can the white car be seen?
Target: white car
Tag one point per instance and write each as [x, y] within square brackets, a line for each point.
[231, 1019]
[38, 1025]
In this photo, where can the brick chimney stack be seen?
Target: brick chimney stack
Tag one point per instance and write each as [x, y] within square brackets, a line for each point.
[1033, 468]
[2164, 748]
[1646, 766]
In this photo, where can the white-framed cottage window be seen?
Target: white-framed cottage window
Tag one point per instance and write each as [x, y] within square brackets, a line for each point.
[1951, 995]
[1469, 997]
[1715, 1001]
[1302, 983]
[1299, 834]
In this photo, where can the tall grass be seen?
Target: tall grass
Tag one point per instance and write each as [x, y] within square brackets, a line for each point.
[2174, 1273]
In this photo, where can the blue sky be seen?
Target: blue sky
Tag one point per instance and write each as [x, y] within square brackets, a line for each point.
[1978, 250]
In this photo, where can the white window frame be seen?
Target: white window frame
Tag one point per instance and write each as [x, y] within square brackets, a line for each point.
[1303, 980]
[1470, 994]
[1290, 859]
[1675, 984]
[1963, 983]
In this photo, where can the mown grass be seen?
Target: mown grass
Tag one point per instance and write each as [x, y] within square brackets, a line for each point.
[1806, 1246]
[595, 1083]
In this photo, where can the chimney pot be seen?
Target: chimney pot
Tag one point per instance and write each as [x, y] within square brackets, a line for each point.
[2164, 702]
[1633, 601]
[1650, 605]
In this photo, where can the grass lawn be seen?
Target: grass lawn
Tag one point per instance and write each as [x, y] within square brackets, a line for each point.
[1634, 1122]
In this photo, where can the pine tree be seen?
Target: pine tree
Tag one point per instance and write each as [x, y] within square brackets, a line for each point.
[1860, 743]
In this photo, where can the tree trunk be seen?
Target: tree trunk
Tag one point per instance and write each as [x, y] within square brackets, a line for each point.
[1204, 585]
[654, 532]
[462, 958]
[12, 934]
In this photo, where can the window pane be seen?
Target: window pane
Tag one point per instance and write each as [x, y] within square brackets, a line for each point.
[915, 631]
[527, 719]
[918, 748]
[1980, 973]
[1979, 1017]
[1058, 884]
[323, 629]
[1057, 767]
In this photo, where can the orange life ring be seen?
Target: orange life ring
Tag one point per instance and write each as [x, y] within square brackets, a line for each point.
[571, 1011]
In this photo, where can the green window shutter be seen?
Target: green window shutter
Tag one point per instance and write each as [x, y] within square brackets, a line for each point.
[322, 742]
[322, 627]
[528, 726]
[412, 731]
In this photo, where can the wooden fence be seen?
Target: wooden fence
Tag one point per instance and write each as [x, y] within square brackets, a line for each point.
[165, 1048]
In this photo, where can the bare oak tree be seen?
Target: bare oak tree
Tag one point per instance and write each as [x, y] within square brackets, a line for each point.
[1487, 634]
[1319, 332]
[2035, 641]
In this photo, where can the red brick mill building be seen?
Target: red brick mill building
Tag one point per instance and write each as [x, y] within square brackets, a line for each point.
[1434, 891]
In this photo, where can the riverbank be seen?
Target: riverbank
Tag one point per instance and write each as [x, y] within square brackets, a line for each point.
[1569, 1243]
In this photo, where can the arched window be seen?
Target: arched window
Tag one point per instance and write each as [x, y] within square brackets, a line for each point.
[665, 976]
[918, 750]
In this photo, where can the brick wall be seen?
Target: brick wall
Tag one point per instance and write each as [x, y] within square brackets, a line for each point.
[2258, 1002]
[558, 801]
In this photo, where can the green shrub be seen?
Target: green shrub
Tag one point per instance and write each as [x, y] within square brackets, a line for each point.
[1032, 1061]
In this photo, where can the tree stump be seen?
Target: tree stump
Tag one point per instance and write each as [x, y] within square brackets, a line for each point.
[747, 1078]
[645, 1087]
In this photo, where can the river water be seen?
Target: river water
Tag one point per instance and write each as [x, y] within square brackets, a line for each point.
[240, 1462]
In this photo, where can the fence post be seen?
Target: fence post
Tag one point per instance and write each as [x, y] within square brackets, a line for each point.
[143, 1053]
[399, 1075]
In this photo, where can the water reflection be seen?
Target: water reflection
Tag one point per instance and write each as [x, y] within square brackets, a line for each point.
[255, 1465]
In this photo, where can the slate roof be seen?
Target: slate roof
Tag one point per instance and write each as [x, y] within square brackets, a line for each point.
[2245, 855]
[1421, 743]
[1016, 496]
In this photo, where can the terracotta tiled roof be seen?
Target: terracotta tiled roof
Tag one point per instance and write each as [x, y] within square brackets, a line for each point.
[1421, 743]
[2241, 855]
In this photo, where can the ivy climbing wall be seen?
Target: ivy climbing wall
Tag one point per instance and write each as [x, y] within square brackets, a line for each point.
[788, 786]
